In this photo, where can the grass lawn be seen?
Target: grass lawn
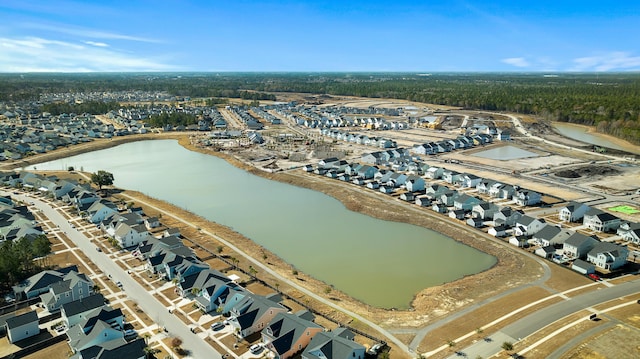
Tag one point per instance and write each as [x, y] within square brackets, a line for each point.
[625, 209]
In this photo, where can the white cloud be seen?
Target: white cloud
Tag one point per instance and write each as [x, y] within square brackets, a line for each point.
[87, 33]
[613, 61]
[98, 44]
[516, 61]
[34, 54]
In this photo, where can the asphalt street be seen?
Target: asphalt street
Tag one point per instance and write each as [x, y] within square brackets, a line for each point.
[197, 347]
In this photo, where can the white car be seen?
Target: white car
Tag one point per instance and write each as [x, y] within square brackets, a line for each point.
[217, 326]
[255, 348]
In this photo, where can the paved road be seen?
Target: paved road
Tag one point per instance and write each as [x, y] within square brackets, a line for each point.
[543, 317]
[157, 311]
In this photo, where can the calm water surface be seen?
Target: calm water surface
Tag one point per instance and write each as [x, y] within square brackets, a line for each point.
[505, 153]
[379, 262]
[580, 133]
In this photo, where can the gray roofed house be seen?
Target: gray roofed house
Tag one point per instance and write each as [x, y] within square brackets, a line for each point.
[578, 245]
[573, 211]
[545, 252]
[73, 286]
[100, 332]
[254, 312]
[551, 235]
[40, 283]
[288, 334]
[630, 231]
[114, 349]
[22, 326]
[583, 267]
[600, 221]
[76, 311]
[337, 344]
[528, 226]
[608, 256]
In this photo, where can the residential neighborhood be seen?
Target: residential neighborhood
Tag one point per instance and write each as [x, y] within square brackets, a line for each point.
[71, 304]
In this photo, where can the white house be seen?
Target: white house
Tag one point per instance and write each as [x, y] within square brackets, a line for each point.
[22, 326]
[578, 245]
[608, 256]
[528, 226]
[600, 221]
[573, 211]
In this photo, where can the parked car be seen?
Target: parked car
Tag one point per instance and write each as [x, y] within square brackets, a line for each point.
[217, 326]
[255, 348]
[119, 284]
[593, 276]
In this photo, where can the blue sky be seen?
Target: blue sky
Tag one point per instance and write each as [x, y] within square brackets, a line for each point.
[373, 35]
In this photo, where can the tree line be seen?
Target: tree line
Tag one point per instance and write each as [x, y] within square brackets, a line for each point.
[607, 101]
[17, 258]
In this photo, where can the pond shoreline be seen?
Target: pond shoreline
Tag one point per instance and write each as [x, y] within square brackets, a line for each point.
[511, 269]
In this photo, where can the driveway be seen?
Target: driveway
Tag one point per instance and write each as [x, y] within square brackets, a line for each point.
[197, 347]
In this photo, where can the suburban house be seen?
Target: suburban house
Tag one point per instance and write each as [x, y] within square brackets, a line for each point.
[457, 214]
[73, 286]
[608, 256]
[498, 231]
[475, 222]
[545, 252]
[435, 191]
[434, 172]
[22, 326]
[254, 312]
[484, 186]
[465, 202]
[448, 197]
[423, 201]
[469, 181]
[451, 176]
[130, 235]
[600, 221]
[40, 283]
[551, 235]
[414, 183]
[336, 344]
[152, 246]
[578, 245]
[528, 226]
[408, 196]
[74, 312]
[485, 210]
[288, 334]
[507, 216]
[98, 333]
[519, 241]
[630, 231]
[117, 348]
[583, 267]
[504, 191]
[573, 211]
[526, 197]
[100, 210]
[151, 222]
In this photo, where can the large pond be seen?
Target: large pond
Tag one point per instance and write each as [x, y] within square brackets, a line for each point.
[379, 262]
[582, 134]
[505, 153]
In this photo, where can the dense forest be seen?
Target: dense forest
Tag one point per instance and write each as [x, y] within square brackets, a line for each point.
[608, 101]
[16, 258]
[173, 119]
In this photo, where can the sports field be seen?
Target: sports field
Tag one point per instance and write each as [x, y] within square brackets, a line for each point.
[625, 209]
